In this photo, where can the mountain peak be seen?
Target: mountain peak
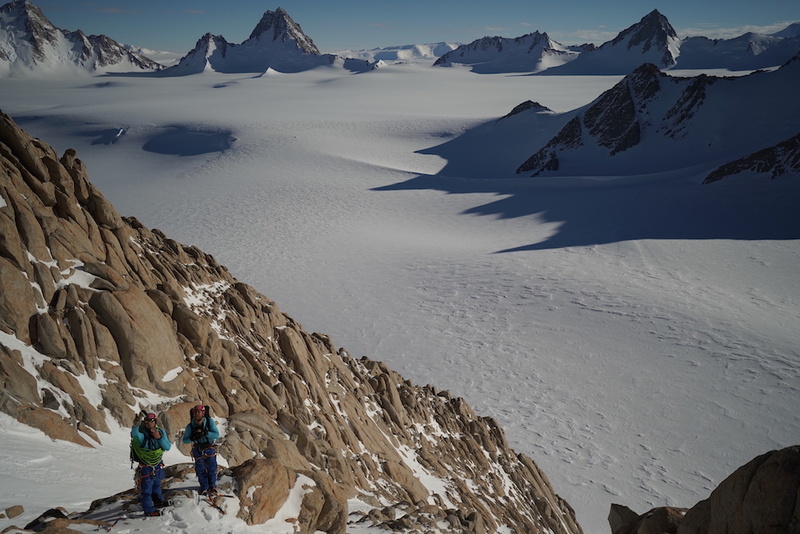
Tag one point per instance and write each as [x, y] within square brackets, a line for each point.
[791, 31]
[654, 29]
[33, 43]
[283, 29]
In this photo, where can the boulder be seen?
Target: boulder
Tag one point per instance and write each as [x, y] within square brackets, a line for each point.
[264, 486]
[50, 423]
[762, 496]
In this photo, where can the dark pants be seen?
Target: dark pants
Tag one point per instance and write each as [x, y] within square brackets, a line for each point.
[150, 481]
[205, 465]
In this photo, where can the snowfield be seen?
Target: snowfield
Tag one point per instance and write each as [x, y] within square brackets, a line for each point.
[637, 336]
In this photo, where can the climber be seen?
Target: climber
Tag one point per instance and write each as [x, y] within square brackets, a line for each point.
[201, 432]
[148, 444]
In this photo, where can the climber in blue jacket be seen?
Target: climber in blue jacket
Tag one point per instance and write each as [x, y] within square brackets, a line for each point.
[148, 444]
[201, 432]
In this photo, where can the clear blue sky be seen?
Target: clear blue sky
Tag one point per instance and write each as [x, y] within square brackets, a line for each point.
[175, 25]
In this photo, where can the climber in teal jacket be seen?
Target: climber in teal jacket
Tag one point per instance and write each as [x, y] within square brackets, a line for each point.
[201, 432]
[148, 443]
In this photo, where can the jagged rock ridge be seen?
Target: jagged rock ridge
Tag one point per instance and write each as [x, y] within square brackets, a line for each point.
[29, 42]
[277, 43]
[772, 162]
[87, 293]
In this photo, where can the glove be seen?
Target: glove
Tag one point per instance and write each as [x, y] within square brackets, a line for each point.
[138, 419]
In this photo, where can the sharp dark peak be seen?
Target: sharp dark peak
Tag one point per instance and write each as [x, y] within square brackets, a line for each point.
[653, 26]
[647, 70]
[283, 28]
[26, 9]
[205, 43]
[645, 81]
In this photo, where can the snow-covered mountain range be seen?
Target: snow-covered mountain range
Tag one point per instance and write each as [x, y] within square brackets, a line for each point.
[651, 40]
[29, 43]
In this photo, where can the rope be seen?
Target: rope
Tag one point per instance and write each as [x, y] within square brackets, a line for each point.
[151, 457]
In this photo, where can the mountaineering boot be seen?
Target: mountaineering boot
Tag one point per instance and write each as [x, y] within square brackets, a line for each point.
[154, 513]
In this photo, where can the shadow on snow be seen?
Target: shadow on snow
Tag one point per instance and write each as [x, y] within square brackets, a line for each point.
[600, 210]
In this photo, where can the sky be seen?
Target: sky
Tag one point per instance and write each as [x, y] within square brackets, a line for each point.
[175, 25]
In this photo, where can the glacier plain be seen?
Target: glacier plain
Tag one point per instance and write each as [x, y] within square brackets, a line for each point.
[637, 336]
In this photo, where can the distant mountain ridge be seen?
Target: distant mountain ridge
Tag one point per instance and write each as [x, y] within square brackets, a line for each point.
[651, 122]
[420, 53]
[533, 52]
[747, 52]
[651, 40]
[30, 43]
[276, 43]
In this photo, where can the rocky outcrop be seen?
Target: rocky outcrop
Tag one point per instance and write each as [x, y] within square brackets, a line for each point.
[85, 293]
[525, 106]
[761, 496]
[612, 121]
[772, 162]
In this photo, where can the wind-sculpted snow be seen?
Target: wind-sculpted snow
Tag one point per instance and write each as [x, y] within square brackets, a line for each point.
[637, 339]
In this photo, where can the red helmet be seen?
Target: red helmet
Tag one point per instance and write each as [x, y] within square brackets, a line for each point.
[199, 408]
[150, 417]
